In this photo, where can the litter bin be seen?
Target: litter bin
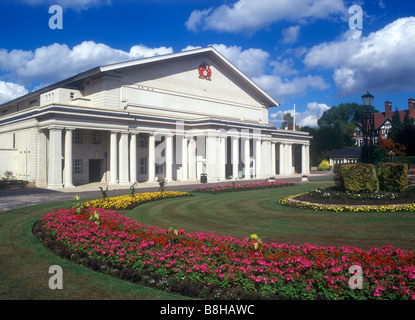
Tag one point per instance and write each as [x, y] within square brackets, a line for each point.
[203, 178]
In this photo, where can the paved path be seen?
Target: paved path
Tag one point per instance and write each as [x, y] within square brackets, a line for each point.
[19, 198]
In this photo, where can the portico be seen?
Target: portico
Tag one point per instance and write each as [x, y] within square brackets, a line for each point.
[149, 119]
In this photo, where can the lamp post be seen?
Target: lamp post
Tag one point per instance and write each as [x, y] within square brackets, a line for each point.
[368, 126]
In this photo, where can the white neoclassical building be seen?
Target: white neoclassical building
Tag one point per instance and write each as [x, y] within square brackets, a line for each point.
[174, 116]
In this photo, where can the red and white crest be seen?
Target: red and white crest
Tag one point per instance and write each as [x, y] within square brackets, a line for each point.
[205, 72]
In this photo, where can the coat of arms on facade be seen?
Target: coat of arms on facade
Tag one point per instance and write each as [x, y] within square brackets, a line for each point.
[205, 72]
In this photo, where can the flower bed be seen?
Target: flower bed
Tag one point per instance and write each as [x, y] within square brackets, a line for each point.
[331, 199]
[292, 201]
[208, 266]
[244, 186]
[128, 202]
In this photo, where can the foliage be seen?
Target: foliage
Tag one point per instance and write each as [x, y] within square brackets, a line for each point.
[403, 132]
[393, 176]
[8, 174]
[344, 113]
[104, 192]
[243, 186]
[324, 166]
[392, 148]
[162, 184]
[371, 153]
[205, 265]
[132, 189]
[359, 177]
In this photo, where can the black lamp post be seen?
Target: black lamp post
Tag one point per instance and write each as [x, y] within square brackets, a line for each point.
[368, 126]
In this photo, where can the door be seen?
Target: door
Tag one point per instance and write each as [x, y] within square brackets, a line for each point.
[95, 170]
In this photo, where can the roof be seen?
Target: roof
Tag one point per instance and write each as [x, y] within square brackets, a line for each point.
[210, 51]
[349, 151]
[380, 118]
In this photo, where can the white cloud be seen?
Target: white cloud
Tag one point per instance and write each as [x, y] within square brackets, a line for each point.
[71, 4]
[290, 34]
[307, 118]
[56, 62]
[381, 61]
[250, 61]
[284, 88]
[252, 15]
[10, 91]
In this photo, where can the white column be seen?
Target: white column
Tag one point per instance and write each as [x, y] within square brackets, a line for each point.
[133, 158]
[151, 159]
[169, 157]
[235, 157]
[222, 162]
[55, 156]
[247, 160]
[258, 161]
[192, 159]
[184, 158]
[282, 159]
[273, 159]
[290, 158]
[124, 172]
[305, 159]
[68, 158]
[114, 158]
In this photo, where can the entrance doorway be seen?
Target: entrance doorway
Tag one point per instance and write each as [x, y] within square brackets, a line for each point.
[95, 170]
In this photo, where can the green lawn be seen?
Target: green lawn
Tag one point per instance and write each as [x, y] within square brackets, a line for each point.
[24, 262]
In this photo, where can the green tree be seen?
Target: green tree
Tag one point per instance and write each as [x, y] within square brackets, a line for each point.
[288, 121]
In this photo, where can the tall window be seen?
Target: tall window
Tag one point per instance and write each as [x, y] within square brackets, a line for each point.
[142, 166]
[142, 140]
[96, 137]
[77, 136]
[77, 166]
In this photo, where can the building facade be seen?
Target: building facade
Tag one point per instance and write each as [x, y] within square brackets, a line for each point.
[174, 116]
[383, 122]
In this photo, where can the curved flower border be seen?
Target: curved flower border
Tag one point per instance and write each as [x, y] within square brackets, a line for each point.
[290, 202]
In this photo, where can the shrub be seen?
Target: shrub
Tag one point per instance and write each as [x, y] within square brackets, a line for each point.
[393, 176]
[337, 176]
[359, 177]
[324, 166]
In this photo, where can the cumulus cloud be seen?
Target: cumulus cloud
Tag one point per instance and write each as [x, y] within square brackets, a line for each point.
[56, 62]
[309, 117]
[284, 88]
[381, 61]
[10, 91]
[252, 15]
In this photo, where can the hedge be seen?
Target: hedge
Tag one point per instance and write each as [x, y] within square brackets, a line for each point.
[393, 176]
[359, 177]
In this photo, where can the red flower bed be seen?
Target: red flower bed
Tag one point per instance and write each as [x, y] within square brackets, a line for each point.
[209, 266]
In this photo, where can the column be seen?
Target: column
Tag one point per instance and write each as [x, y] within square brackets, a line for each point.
[282, 159]
[169, 157]
[222, 161]
[114, 158]
[68, 158]
[133, 158]
[290, 159]
[273, 159]
[305, 159]
[192, 159]
[235, 157]
[258, 161]
[247, 160]
[151, 159]
[55, 156]
[184, 158]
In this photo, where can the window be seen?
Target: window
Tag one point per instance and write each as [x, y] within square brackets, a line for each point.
[72, 95]
[142, 166]
[77, 136]
[77, 166]
[96, 137]
[159, 168]
[142, 140]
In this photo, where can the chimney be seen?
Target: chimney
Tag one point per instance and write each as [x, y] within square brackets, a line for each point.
[388, 109]
[411, 107]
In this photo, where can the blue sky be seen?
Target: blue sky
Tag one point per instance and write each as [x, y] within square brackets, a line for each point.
[301, 52]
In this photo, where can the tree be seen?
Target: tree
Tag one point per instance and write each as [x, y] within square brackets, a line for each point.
[403, 132]
[344, 113]
[392, 148]
[288, 121]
